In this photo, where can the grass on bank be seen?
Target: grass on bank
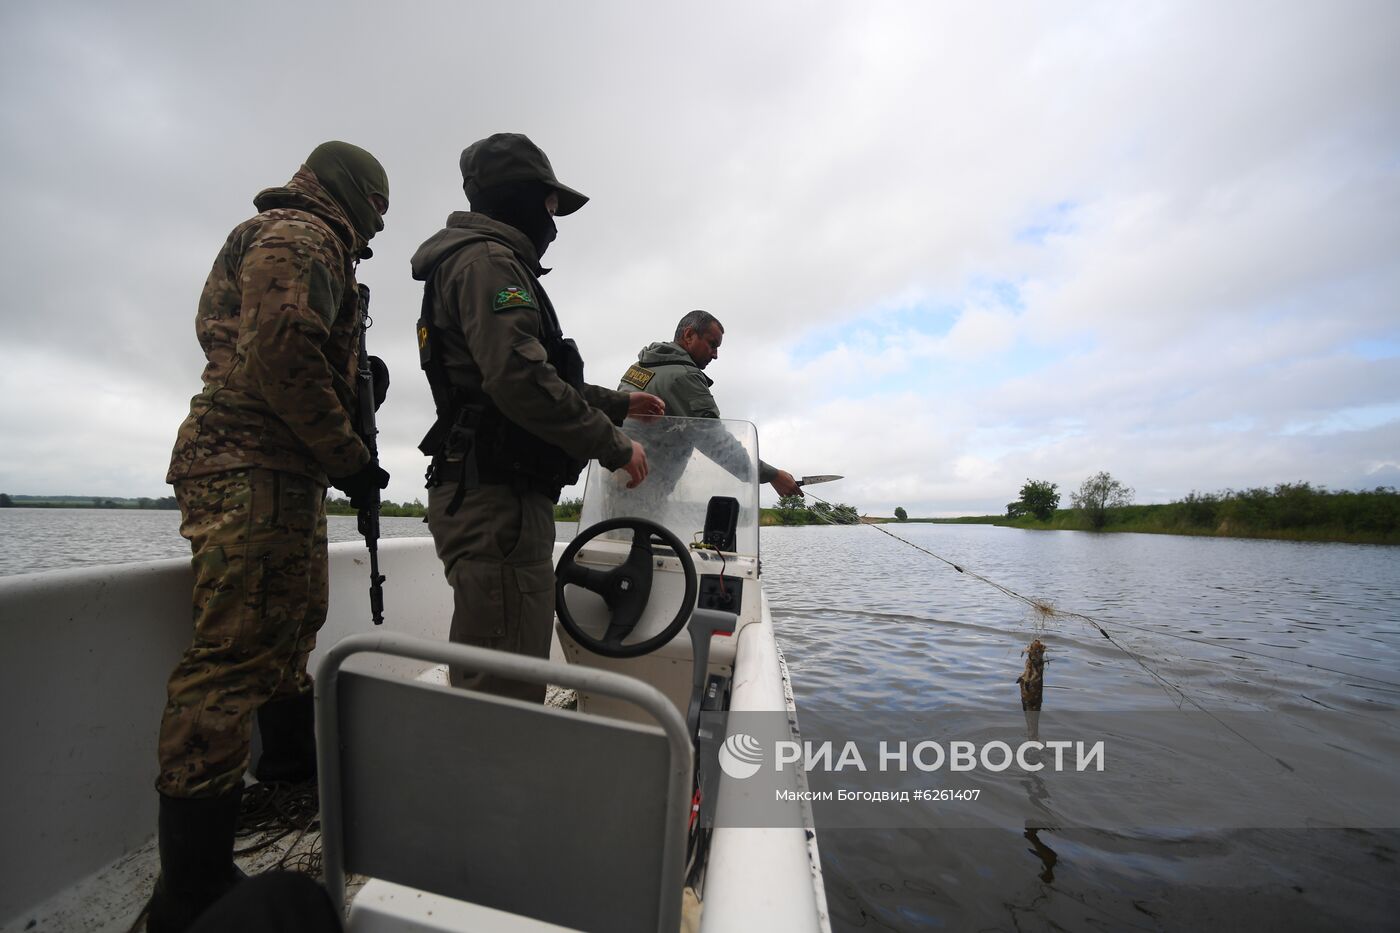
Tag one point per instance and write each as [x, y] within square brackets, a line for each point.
[1288, 511]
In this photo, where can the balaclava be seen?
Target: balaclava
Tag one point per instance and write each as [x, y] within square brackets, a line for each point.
[351, 175]
[520, 204]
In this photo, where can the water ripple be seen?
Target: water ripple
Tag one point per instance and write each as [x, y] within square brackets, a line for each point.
[867, 623]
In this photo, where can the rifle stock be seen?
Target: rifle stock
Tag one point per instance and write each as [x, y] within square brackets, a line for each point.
[368, 515]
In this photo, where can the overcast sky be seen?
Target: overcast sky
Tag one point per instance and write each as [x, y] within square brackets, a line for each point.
[954, 246]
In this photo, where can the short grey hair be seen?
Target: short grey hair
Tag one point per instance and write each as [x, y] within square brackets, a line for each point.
[700, 320]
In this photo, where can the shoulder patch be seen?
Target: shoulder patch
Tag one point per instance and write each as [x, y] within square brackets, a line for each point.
[638, 376]
[512, 296]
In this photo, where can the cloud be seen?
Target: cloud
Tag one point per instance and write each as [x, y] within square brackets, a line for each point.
[952, 247]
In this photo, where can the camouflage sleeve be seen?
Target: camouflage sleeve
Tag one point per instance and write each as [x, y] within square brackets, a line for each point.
[611, 403]
[501, 325]
[291, 287]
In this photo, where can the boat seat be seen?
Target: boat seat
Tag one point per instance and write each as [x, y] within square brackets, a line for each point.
[562, 817]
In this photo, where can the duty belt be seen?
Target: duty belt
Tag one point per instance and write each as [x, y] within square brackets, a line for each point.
[448, 471]
[445, 472]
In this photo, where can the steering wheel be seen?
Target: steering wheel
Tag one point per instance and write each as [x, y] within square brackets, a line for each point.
[625, 588]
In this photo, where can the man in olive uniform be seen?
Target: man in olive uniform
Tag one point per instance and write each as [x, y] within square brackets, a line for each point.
[516, 422]
[675, 371]
[279, 323]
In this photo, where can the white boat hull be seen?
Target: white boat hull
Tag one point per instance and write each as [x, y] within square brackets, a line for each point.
[85, 658]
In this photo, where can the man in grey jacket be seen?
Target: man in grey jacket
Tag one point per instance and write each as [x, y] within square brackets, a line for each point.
[674, 371]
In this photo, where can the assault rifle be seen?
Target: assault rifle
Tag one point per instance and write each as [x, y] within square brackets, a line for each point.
[368, 516]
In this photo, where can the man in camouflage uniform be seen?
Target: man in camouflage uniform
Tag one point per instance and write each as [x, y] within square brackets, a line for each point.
[279, 323]
[516, 422]
[674, 370]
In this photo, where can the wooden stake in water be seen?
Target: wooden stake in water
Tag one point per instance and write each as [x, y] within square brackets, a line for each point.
[1032, 679]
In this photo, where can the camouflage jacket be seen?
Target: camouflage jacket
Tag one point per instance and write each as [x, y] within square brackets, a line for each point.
[487, 303]
[279, 324]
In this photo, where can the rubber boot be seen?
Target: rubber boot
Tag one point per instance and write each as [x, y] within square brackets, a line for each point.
[196, 858]
[288, 729]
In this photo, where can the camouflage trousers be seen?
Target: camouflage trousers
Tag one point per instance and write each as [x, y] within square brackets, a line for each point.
[260, 597]
[497, 552]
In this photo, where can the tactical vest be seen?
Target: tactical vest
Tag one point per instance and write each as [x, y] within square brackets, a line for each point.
[472, 441]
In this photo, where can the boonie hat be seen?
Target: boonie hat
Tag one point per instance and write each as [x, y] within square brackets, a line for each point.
[512, 157]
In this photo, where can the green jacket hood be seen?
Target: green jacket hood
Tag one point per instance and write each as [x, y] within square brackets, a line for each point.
[669, 354]
[464, 228]
[305, 193]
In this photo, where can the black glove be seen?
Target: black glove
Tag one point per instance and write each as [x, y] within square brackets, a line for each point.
[360, 486]
[381, 380]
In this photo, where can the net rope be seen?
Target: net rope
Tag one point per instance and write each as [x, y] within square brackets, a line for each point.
[1045, 610]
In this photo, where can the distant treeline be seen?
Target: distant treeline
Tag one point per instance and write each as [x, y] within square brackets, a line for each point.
[8, 501]
[794, 510]
[566, 511]
[387, 508]
[1289, 511]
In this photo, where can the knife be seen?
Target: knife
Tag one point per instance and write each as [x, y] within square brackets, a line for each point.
[823, 478]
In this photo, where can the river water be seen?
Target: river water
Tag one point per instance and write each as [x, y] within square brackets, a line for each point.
[870, 623]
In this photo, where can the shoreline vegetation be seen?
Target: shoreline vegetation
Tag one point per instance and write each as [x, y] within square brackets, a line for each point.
[1288, 512]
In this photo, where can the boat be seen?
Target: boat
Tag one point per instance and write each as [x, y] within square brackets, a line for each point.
[86, 653]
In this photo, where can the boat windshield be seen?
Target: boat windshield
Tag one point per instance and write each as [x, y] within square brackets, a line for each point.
[692, 462]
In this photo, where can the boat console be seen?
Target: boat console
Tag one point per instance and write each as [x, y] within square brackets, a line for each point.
[665, 575]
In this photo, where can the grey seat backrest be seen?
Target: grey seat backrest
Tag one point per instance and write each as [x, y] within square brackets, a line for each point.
[565, 817]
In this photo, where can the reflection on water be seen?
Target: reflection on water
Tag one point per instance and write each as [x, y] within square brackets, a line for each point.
[1047, 855]
[868, 623]
[33, 540]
